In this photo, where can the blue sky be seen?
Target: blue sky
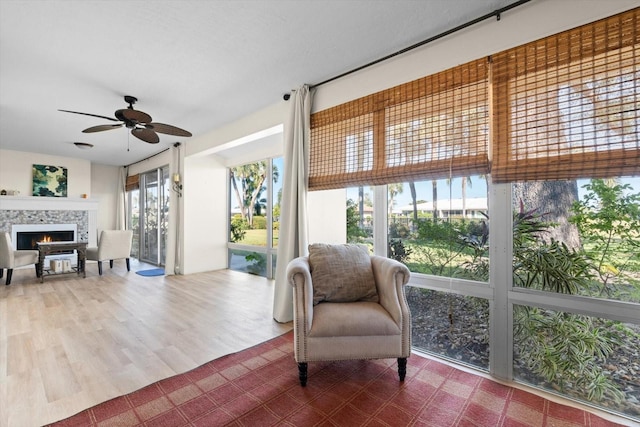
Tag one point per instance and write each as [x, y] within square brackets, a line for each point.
[477, 188]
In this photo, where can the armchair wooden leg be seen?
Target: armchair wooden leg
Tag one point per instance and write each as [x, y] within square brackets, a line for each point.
[128, 265]
[1, 272]
[402, 367]
[37, 270]
[100, 268]
[302, 373]
[9, 274]
[111, 263]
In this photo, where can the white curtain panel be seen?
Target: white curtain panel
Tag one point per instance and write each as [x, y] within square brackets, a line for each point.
[294, 233]
[121, 202]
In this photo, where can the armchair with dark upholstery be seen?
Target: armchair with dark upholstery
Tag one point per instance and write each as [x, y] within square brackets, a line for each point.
[11, 258]
[348, 304]
[113, 244]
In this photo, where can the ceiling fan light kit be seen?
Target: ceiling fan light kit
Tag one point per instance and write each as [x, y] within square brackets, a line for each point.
[140, 123]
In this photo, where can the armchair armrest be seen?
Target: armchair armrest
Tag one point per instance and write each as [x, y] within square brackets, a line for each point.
[299, 276]
[390, 276]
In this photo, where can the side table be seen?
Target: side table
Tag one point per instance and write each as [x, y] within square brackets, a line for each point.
[49, 248]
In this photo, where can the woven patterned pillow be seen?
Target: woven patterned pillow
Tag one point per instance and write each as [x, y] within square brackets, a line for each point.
[341, 273]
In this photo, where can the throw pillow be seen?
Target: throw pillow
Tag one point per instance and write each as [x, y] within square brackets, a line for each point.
[341, 273]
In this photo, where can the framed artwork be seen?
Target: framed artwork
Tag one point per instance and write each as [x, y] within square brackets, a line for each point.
[49, 181]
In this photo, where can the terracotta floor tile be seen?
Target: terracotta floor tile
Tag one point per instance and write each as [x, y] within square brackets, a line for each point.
[257, 390]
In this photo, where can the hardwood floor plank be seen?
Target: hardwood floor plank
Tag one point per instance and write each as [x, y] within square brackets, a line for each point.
[70, 343]
[58, 378]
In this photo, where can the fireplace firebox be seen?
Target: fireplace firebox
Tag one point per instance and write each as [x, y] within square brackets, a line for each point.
[26, 236]
[29, 239]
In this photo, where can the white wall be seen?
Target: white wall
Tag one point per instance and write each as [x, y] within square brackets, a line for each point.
[16, 172]
[205, 214]
[104, 188]
[252, 124]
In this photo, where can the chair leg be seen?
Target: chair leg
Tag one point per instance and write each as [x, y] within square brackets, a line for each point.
[402, 367]
[100, 268]
[9, 274]
[1, 272]
[302, 373]
[37, 270]
[128, 265]
[111, 263]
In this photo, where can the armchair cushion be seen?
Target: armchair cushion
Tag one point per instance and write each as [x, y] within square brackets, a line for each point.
[355, 319]
[341, 273]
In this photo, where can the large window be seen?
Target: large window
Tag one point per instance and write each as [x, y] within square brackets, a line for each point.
[541, 282]
[254, 203]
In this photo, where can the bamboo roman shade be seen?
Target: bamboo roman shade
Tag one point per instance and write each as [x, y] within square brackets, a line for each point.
[132, 183]
[568, 106]
[564, 107]
[433, 127]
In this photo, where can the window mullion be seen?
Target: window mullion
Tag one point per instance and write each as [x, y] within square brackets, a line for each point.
[380, 220]
[500, 279]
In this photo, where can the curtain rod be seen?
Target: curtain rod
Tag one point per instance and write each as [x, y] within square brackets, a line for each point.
[177, 144]
[495, 13]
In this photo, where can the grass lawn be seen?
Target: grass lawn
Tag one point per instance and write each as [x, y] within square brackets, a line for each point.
[258, 238]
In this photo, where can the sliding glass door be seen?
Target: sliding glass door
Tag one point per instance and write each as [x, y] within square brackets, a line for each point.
[149, 216]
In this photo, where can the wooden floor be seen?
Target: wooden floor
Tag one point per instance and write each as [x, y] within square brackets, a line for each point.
[70, 343]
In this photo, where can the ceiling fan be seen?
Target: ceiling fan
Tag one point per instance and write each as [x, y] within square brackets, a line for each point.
[138, 121]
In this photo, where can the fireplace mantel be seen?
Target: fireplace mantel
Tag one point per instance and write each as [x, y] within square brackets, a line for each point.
[50, 210]
[30, 203]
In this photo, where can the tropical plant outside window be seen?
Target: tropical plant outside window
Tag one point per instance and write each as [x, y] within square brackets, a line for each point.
[255, 194]
[578, 238]
[360, 215]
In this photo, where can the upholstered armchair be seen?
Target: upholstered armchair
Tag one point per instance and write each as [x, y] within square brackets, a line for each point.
[10, 258]
[348, 304]
[113, 244]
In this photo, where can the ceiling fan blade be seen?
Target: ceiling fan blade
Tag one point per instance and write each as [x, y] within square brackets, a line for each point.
[147, 135]
[135, 116]
[101, 128]
[168, 129]
[94, 115]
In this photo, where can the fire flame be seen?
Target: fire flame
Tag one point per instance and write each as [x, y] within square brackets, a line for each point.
[46, 239]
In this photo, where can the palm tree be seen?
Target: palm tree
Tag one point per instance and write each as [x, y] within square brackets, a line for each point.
[434, 184]
[414, 202]
[393, 190]
[466, 180]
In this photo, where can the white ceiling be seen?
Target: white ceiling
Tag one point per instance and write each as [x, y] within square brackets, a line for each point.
[194, 64]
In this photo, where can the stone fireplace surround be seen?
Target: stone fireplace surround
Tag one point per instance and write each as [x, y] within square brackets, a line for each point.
[16, 210]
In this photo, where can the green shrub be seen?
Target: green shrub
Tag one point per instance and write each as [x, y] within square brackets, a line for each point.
[239, 228]
[259, 223]
[354, 233]
[398, 230]
[437, 230]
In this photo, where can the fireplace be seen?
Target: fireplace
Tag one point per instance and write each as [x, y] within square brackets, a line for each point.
[26, 236]
[29, 239]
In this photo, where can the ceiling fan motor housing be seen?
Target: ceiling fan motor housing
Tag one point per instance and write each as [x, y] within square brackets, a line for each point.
[130, 100]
